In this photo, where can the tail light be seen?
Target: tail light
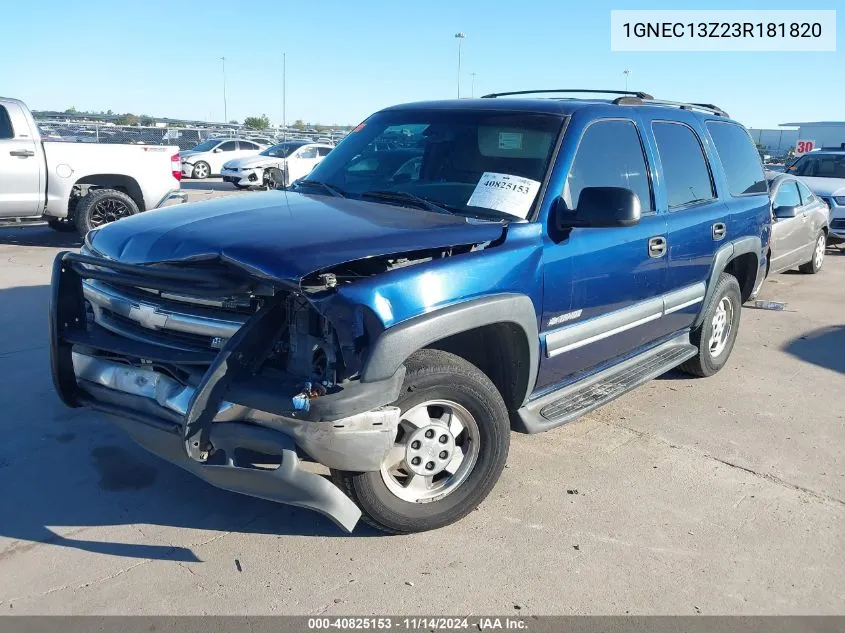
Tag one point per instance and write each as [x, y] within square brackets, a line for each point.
[176, 166]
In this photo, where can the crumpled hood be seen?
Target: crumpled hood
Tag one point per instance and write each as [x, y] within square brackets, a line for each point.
[281, 235]
[255, 161]
[825, 186]
[187, 154]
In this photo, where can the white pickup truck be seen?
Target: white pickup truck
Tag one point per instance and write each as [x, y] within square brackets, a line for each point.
[79, 186]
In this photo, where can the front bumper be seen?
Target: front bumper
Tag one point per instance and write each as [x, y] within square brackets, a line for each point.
[837, 223]
[244, 177]
[187, 170]
[206, 428]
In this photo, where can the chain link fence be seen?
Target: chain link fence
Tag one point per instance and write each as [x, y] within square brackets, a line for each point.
[184, 137]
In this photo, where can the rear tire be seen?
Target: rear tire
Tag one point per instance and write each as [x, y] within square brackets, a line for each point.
[716, 335]
[815, 264]
[201, 170]
[469, 442]
[100, 207]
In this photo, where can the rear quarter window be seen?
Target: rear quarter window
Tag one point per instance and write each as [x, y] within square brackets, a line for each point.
[739, 157]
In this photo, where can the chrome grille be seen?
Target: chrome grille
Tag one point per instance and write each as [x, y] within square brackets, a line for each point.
[144, 316]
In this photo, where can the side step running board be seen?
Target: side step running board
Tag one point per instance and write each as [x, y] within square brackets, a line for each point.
[573, 401]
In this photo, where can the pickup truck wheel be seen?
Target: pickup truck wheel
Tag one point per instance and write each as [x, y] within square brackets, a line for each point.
[450, 448]
[62, 225]
[201, 170]
[716, 335]
[102, 206]
[815, 264]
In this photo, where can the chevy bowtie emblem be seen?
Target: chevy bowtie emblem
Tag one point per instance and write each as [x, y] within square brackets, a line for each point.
[148, 316]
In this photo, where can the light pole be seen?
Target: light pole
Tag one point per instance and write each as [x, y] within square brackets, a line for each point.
[626, 72]
[225, 111]
[284, 95]
[461, 36]
[472, 86]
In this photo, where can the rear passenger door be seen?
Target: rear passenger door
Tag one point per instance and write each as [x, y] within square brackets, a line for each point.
[21, 173]
[695, 215]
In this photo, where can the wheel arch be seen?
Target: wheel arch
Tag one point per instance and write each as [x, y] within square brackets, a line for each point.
[740, 258]
[120, 182]
[498, 334]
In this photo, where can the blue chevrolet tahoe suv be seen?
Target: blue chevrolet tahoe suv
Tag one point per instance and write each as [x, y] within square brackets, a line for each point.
[451, 271]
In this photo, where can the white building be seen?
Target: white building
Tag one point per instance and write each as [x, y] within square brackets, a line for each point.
[775, 142]
[822, 133]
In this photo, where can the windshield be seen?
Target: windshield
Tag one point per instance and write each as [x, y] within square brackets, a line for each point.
[479, 163]
[206, 146]
[282, 150]
[819, 166]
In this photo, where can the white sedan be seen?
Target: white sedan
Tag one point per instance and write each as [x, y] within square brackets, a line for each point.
[207, 158]
[294, 159]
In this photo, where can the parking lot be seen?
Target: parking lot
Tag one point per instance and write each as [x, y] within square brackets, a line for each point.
[722, 495]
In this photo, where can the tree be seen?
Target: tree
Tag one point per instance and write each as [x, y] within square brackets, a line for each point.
[257, 122]
[233, 122]
[147, 120]
[71, 110]
[127, 119]
[109, 112]
[299, 124]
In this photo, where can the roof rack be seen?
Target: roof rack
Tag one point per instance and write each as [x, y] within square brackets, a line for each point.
[628, 98]
[639, 95]
[703, 107]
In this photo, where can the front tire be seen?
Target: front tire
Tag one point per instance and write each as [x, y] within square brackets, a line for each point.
[450, 449]
[716, 335]
[102, 206]
[815, 264]
[201, 170]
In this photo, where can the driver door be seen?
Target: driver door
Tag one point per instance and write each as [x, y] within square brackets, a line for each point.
[788, 233]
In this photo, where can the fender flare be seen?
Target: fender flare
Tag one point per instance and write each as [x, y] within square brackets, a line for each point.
[397, 343]
[727, 252]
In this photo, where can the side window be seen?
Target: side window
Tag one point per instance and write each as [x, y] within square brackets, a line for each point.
[307, 152]
[247, 145]
[685, 169]
[739, 157]
[228, 146]
[787, 195]
[807, 196]
[610, 155]
[6, 130]
[324, 151]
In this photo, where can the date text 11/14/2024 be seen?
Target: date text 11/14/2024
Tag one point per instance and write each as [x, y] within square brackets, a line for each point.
[491, 623]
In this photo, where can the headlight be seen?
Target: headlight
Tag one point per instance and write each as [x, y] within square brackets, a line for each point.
[840, 200]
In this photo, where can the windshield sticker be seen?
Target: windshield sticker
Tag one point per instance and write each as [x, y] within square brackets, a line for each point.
[510, 140]
[506, 193]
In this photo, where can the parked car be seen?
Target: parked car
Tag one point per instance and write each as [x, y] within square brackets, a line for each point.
[207, 158]
[545, 257]
[800, 225]
[824, 174]
[293, 159]
[264, 141]
[79, 187]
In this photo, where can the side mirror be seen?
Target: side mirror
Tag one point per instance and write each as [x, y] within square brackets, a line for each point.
[600, 207]
[217, 150]
[785, 211]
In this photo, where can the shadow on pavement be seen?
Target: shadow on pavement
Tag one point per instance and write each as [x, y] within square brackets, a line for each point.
[65, 470]
[824, 347]
[38, 235]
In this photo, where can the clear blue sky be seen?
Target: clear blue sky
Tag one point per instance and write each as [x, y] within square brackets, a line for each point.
[347, 59]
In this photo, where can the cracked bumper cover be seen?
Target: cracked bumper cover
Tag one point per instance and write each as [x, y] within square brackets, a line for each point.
[225, 412]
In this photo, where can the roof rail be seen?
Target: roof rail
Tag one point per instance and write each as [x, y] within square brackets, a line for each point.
[703, 107]
[639, 95]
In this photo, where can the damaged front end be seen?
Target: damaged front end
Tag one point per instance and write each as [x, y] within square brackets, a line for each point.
[230, 377]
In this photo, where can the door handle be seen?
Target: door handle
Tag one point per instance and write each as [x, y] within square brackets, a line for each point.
[656, 247]
[719, 231]
[23, 153]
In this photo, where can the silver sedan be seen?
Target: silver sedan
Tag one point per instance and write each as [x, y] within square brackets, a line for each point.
[800, 223]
